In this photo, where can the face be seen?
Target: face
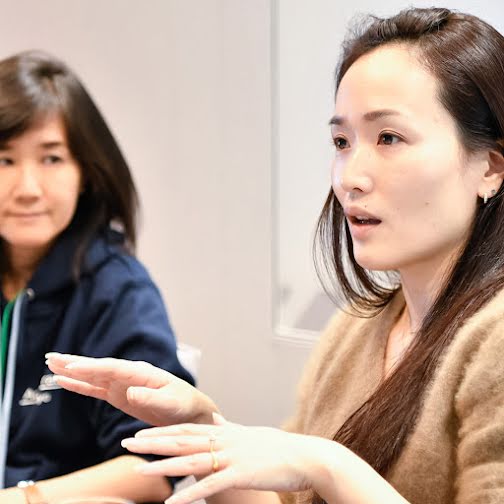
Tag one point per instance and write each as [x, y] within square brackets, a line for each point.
[407, 187]
[39, 187]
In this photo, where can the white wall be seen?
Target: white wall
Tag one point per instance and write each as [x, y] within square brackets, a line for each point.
[185, 85]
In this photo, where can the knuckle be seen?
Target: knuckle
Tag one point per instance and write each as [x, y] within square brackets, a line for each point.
[193, 461]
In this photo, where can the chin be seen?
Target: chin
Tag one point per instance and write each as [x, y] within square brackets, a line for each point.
[375, 262]
[32, 243]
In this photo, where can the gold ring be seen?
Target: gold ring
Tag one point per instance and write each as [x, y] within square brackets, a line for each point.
[215, 463]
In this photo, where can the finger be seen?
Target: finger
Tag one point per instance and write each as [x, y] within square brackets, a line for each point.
[57, 362]
[180, 430]
[171, 446]
[131, 373]
[218, 419]
[215, 483]
[81, 387]
[61, 359]
[197, 464]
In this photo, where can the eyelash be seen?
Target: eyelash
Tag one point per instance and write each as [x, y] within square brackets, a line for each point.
[47, 160]
[380, 136]
[52, 159]
[388, 133]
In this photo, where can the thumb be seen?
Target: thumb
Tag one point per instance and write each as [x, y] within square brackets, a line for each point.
[218, 419]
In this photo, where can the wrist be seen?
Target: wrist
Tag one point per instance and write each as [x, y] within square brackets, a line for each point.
[326, 469]
[31, 492]
[338, 475]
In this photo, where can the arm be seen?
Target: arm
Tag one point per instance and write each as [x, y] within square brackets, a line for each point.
[116, 477]
[155, 395]
[252, 462]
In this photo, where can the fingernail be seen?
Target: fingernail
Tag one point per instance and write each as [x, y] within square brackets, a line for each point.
[48, 355]
[217, 417]
[126, 442]
[141, 433]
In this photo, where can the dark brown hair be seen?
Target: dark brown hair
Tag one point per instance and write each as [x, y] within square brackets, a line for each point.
[33, 85]
[466, 56]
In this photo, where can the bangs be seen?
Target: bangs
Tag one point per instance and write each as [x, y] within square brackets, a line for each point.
[25, 99]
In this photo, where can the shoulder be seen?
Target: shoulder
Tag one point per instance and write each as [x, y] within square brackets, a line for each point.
[119, 286]
[118, 270]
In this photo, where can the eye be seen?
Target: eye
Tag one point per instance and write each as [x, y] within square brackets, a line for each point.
[340, 143]
[5, 161]
[52, 159]
[389, 139]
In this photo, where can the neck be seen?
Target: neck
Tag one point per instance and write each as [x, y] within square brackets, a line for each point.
[421, 284]
[20, 265]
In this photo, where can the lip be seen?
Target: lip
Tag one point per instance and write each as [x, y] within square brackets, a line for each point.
[26, 215]
[353, 212]
[361, 230]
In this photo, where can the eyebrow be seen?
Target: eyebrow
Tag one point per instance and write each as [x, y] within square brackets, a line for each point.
[52, 145]
[368, 116]
[45, 145]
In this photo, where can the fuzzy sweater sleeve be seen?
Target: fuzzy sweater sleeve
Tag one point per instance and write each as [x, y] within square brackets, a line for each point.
[312, 371]
[479, 405]
[308, 383]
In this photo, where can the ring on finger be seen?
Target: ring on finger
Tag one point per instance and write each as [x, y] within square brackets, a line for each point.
[215, 463]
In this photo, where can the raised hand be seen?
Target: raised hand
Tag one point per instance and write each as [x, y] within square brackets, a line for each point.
[137, 388]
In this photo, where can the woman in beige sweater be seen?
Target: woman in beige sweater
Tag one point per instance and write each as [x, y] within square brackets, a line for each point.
[403, 400]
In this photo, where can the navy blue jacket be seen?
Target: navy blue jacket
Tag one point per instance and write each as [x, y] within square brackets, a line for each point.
[115, 310]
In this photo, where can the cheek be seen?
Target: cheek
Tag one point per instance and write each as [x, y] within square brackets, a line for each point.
[335, 183]
[66, 201]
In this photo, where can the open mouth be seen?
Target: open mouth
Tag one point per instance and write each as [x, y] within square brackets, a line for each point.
[363, 221]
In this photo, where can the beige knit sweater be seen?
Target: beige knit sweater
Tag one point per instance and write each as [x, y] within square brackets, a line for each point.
[455, 453]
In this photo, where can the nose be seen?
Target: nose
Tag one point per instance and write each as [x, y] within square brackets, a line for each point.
[28, 186]
[351, 173]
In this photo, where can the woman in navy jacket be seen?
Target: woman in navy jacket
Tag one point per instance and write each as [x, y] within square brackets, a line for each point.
[69, 283]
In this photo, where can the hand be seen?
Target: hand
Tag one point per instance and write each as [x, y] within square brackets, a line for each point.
[137, 388]
[258, 458]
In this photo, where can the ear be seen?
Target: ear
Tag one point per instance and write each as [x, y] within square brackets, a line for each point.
[493, 175]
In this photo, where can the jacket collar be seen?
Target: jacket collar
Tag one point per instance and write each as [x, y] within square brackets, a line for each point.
[56, 269]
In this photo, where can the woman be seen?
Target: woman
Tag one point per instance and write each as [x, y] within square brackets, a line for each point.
[70, 283]
[402, 400]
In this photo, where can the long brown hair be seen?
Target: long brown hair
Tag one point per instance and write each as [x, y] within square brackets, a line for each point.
[34, 84]
[466, 56]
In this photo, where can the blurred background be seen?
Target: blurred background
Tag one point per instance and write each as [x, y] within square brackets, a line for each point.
[221, 107]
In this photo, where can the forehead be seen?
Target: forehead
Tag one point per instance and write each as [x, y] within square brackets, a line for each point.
[389, 77]
[48, 128]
